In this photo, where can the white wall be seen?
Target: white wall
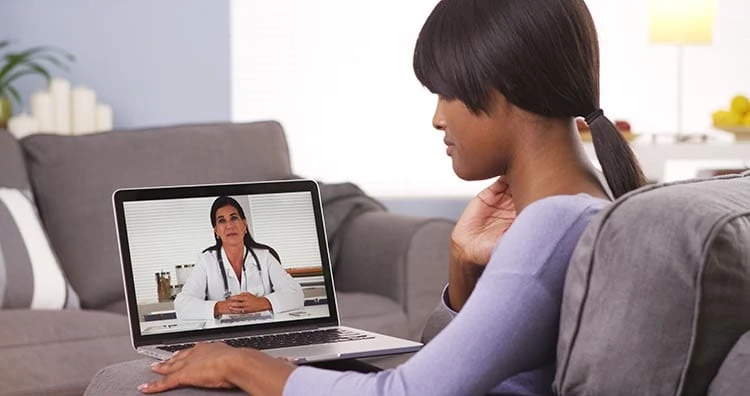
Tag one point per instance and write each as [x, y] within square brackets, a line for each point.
[338, 75]
[639, 79]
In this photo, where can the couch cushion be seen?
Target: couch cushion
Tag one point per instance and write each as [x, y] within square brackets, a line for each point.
[58, 352]
[12, 166]
[74, 177]
[372, 312]
[657, 291]
[734, 375]
[30, 275]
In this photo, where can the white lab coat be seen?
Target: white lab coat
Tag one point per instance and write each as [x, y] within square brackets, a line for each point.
[272, 282]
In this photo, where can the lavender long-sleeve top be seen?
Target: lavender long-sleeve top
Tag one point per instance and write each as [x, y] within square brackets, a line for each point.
[504, 338]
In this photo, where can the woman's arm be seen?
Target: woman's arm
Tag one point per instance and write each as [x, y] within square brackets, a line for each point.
[508, 326]
[287, 293]
[190, 303]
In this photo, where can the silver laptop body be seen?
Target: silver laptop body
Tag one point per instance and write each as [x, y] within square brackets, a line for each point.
[161, 230]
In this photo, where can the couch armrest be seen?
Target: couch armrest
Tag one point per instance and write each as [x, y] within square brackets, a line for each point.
[400, 257]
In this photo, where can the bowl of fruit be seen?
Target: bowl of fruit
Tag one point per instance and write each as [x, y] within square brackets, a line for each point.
[736, 119]
[622, 125]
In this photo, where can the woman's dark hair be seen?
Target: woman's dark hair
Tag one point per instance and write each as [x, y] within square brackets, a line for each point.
[248, 239]
[542, 55]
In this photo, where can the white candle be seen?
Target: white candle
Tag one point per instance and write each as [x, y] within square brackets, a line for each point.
[84, 110]
[22, 125]
[60, 90]
[103, 117]
[42, 111]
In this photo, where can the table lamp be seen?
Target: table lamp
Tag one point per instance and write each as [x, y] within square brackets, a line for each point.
[680, 22]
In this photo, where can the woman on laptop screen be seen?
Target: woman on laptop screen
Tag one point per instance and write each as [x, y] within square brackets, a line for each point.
[510, 76]
[237, 275]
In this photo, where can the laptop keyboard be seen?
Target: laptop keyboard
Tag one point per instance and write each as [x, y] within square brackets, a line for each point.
[284, 340]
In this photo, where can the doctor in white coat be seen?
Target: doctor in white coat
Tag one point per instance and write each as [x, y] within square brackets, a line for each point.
[236, 275]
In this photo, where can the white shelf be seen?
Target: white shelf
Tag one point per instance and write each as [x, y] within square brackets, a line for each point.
[671, 161]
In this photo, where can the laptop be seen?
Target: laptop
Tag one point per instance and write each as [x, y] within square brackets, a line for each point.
[161, 233]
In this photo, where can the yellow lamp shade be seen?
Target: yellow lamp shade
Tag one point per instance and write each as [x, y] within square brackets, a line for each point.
[681, 21]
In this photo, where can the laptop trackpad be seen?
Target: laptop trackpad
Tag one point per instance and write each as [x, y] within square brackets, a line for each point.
[333, 351]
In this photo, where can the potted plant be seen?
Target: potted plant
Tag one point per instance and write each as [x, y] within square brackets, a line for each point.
[14, 65]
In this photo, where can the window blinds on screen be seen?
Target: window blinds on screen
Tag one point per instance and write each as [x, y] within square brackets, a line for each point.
[286, 222]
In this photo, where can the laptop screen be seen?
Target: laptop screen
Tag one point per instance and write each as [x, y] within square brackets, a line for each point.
[212, 259]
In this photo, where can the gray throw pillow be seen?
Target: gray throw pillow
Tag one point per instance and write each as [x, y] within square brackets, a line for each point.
[30, 276]
[656, 294]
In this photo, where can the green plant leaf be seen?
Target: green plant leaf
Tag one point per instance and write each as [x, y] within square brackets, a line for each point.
[54, 53]
[31, 58]
[20, 73]
[12, 61]
[29, 62]
[15, 95]
[31, 68]
[54, 61]
[42, 49]
[40, 70]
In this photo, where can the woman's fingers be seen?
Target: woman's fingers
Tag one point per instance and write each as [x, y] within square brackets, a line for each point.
[168, 366]
[160, 385]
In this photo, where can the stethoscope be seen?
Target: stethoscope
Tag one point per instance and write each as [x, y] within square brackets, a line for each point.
[219, 258]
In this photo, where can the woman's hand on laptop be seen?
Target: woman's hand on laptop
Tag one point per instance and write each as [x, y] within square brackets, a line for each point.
[217, 365]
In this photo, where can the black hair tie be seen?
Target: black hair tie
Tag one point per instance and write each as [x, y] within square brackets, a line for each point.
[594, 115]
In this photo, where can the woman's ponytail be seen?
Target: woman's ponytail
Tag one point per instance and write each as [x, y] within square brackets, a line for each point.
[620, 167]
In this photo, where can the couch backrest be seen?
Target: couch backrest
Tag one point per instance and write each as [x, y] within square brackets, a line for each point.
[12, 167]
[73, 178]
[658, 291]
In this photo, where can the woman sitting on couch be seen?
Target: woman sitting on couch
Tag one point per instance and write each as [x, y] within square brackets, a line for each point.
[511, 76]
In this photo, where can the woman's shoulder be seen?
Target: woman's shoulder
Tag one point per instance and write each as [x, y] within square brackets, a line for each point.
[547, 222]
[207, 255]
[562, 210]
[262, 253]
[545, 233]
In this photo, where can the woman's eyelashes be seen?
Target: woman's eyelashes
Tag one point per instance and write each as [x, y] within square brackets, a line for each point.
[233, 219]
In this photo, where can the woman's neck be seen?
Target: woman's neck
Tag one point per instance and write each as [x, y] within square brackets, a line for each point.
[235, 253]
[551, 161]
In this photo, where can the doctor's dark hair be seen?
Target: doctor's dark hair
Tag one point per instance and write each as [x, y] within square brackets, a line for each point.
[542, 55]
[248, 239]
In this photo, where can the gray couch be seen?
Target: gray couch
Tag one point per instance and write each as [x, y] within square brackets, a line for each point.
[389, 269]
[656, 299]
